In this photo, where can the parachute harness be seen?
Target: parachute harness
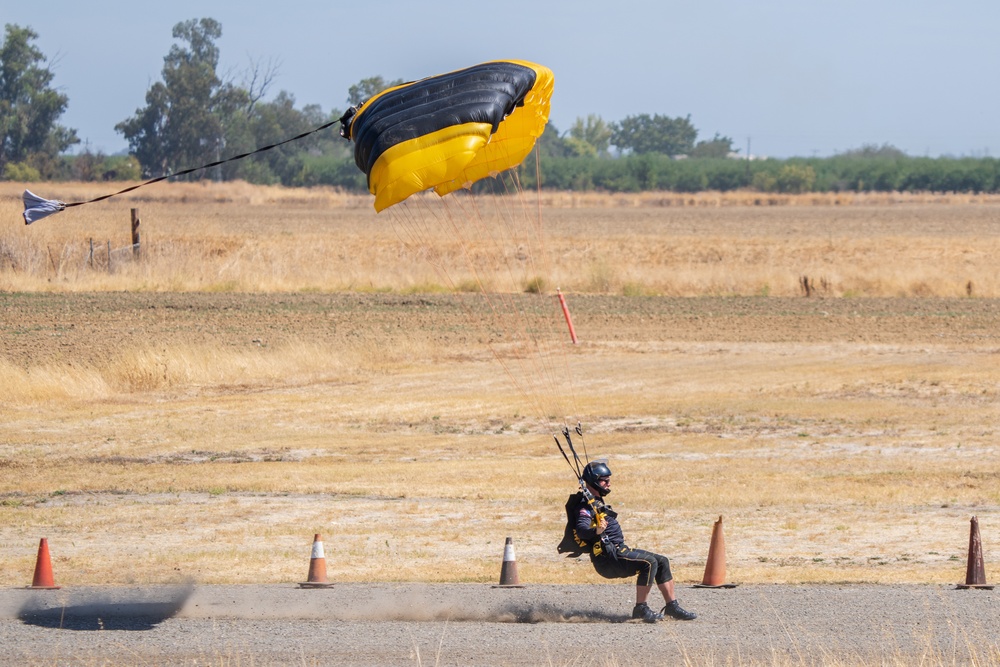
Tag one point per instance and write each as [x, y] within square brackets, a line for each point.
[597, 505]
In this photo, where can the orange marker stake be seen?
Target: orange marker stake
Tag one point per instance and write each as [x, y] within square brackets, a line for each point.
[569, 320]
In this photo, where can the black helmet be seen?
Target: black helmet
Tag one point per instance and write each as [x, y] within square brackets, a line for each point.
[593, 472]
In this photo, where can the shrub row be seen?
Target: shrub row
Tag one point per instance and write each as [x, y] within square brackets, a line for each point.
[648, 172]
[840, 173]
[640, 173]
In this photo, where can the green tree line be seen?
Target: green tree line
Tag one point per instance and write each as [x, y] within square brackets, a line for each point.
[869, 169]
[193, 116]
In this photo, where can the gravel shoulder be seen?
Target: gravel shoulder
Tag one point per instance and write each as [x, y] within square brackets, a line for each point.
[469, 624]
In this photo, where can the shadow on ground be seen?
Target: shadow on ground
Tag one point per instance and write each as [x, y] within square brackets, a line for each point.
[105, 611]
[553, 614]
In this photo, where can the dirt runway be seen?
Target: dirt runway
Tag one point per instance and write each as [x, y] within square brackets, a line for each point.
[472, 624]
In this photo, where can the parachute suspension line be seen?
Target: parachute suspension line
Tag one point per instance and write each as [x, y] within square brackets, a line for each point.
[494, 237]
[510, 306]
[531, 241]
[556, 369]
[540, 380]
[414, 232]
[234, 158]
[420, 226]
[558, 366]
[508, 320]
[552, 384]
[538, 188]
[568, 385]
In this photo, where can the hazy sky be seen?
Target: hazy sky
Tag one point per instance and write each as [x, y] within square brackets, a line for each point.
[795, 77]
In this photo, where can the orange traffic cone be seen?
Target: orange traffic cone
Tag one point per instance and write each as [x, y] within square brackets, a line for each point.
[715, 568]
[317, 566]
[508, 571]
[975, 571]
[43, 569]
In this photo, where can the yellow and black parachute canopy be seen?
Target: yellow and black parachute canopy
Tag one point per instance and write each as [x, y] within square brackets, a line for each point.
[449, 131]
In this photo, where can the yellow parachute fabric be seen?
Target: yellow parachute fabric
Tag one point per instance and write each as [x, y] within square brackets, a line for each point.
[449, 131]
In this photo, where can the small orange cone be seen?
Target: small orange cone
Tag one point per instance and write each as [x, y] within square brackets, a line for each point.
[317, 566]
[715, 568]
[43, 569]
[508, 571]
[975, 571]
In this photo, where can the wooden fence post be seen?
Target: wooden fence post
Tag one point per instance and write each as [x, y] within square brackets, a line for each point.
[135, 233]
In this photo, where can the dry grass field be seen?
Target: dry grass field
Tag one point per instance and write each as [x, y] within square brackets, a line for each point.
[282, 362]
[238, 238]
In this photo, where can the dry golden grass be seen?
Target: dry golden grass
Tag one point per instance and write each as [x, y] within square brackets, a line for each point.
[235, 237]
[830, 461]
[826, 467]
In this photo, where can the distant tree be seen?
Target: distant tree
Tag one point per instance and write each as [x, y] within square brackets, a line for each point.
[792, 178]
[29, 107]
[654, 134]
[715, 148]
[874, 151]
[270, 123]
[258, 80]
[182, 124]
[366, 88]
[590, 136]
[579, 147]
[91, 166]
[552, 145]
[260, 123]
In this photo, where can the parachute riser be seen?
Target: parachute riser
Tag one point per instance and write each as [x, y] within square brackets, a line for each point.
[576, 464]
[578, 467]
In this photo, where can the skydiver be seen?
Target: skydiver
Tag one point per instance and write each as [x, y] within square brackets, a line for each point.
[613, 559]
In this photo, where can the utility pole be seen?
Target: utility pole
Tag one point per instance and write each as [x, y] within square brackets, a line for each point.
[748, 162]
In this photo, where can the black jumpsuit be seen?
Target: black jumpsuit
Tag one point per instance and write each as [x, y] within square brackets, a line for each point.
[625, 562]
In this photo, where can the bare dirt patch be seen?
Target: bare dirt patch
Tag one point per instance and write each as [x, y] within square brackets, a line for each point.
[39, 328]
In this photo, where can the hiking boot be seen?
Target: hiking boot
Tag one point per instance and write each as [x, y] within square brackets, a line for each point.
[645, 614]
[674, 610]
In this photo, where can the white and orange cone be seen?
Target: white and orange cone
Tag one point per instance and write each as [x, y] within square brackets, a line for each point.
[508, 571]
[317, 566]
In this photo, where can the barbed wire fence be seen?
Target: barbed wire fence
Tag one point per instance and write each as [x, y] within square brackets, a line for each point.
[129, 253]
